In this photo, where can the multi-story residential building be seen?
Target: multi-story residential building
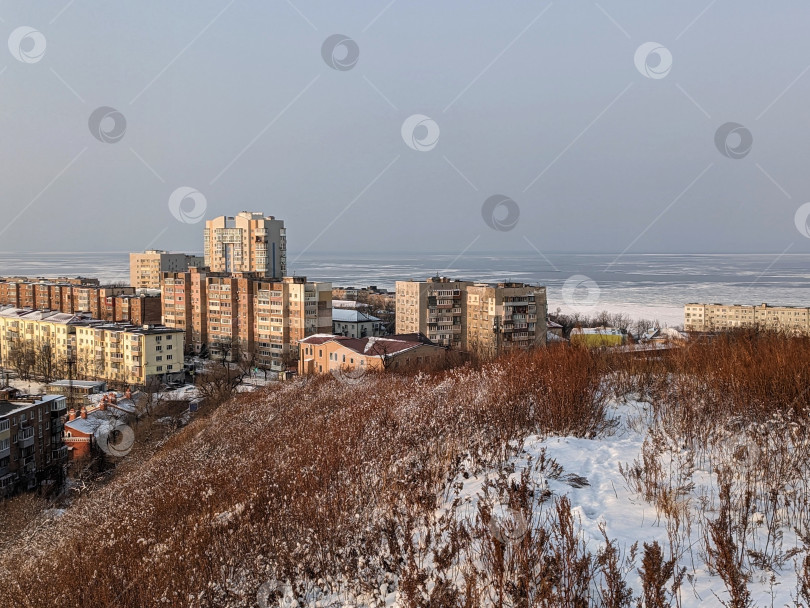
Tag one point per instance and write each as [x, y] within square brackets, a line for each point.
[129, 354]
[31, 447]
[145, 268]
[436, 308]
[247, 242]
[245, 314]
[138, 309]
[100, 302]
[503, 316]
[323, 354]
[36, 333]
[487, 318]
[121, 353]
[718, 317]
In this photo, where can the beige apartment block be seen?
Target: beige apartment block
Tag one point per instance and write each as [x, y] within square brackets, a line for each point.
[249, 315]
[504, 316]
[126, 354]
[145, 268]
[718, 317]
[247, 242]
[33, 331]
[436, 308]
[488, 318]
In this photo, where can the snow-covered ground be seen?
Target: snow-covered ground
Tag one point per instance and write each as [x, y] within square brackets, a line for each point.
[607, 500]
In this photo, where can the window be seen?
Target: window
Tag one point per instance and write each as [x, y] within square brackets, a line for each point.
[158, 358]
[160, 368]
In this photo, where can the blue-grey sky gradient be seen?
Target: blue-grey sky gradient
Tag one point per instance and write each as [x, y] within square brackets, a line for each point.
[537, 101]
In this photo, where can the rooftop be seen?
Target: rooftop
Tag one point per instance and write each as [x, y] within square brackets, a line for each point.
[375, 347]
[348, 315]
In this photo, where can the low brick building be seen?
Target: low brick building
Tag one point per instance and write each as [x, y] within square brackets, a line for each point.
[327, 353]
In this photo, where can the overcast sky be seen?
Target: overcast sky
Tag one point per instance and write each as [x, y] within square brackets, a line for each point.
[601, 144]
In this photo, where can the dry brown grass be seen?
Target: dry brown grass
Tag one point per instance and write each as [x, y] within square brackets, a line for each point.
[334, 488]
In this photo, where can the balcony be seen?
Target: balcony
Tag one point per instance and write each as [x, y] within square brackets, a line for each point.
[5, 453]
[58, 407]
[25, 438]
[59, 453]
[57, 426]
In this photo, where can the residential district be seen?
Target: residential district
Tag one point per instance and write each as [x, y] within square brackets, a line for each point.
[98, 349]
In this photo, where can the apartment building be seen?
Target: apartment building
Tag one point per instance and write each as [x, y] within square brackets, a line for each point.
[719, 317]
[487, 318]
[504, 316]
[107, 303]
[323, 354]
[31, 446]
[129, 354]
[244, 314]
[436, 308]
[121, 353]
[145, 268]
[247, 242]
[25, 332]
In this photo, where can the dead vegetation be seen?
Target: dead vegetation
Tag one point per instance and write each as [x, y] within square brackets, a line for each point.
[336, 492]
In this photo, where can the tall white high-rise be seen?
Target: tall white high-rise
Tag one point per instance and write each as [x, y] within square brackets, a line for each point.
[248, 242]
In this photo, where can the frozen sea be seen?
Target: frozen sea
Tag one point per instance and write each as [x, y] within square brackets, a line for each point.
[654, 286]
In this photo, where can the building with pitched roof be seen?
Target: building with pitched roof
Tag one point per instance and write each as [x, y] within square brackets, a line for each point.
[327, 353]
